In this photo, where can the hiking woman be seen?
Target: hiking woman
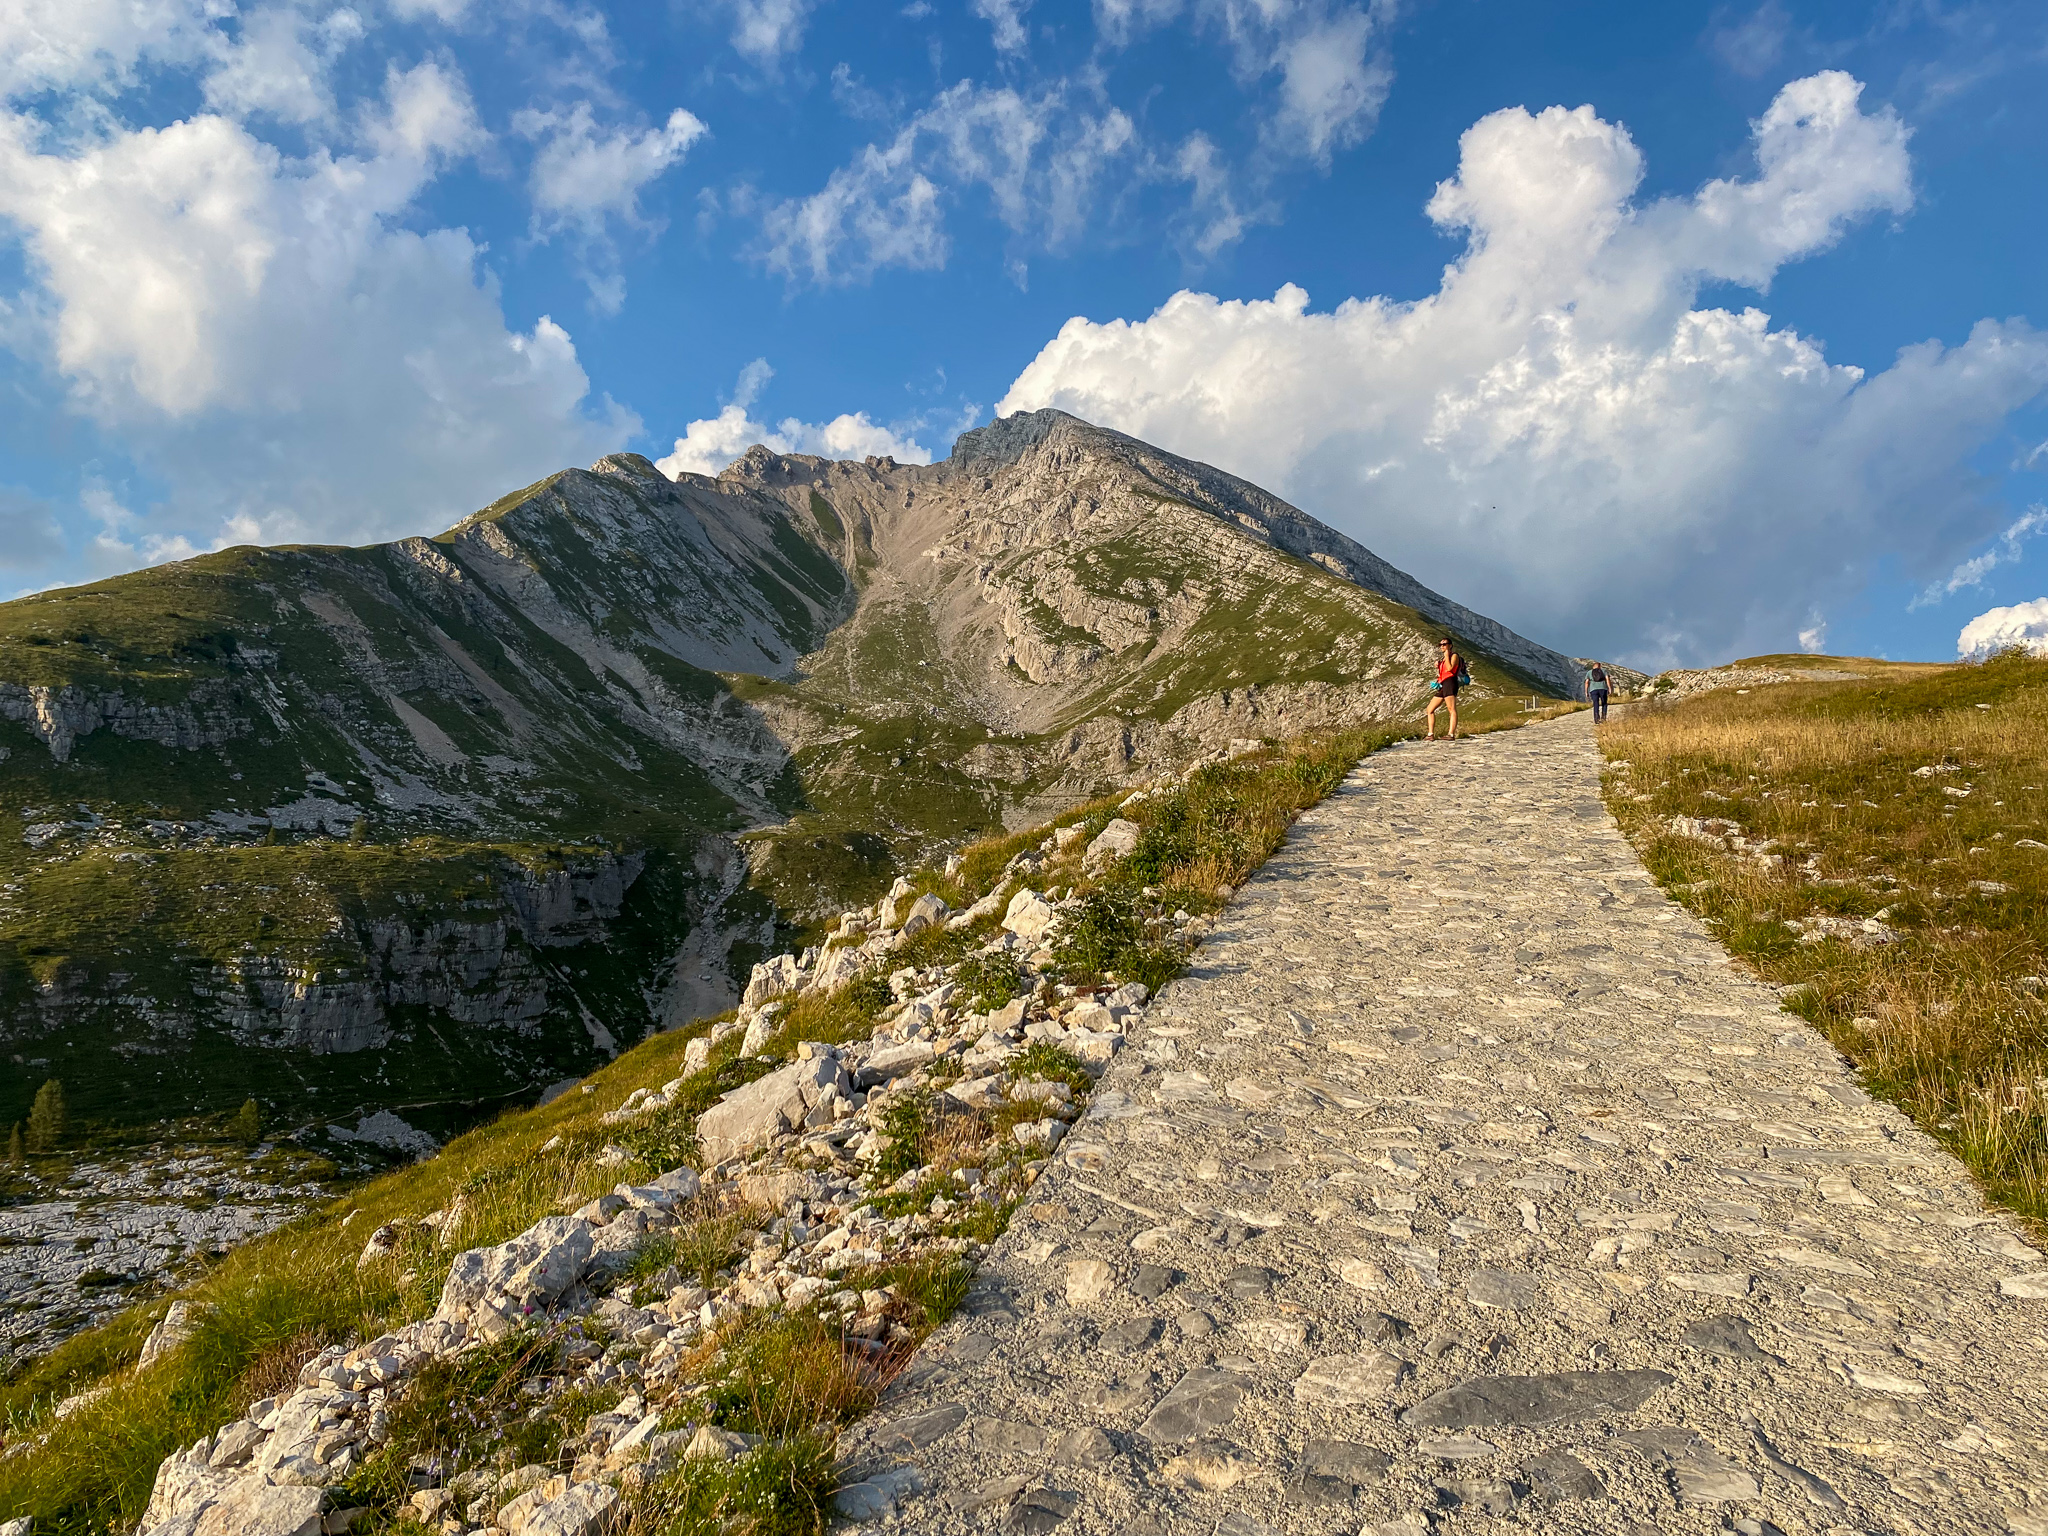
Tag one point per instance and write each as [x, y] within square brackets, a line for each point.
[1451, 675]
[1596, 691]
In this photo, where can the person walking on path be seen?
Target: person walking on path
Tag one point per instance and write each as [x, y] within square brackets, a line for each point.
[1451, 675]
[1596, 691]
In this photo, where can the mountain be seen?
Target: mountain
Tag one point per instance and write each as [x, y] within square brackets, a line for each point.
[424, 825]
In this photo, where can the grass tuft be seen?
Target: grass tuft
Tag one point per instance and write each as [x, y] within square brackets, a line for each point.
[1941, 1002]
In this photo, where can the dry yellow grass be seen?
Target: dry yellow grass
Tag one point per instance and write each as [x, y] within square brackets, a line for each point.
[1891, 863]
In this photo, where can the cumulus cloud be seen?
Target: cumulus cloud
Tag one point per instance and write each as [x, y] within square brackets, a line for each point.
[1557, 435]
[279, 64]
[584, 176]
[1039, 159]
[1328, 71]
[1005, 20]
[268, 339]
[1997, 629]
[765, 30]
[67, 44]
[707, 446]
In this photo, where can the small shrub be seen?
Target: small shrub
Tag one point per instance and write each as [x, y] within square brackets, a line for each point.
[1054, 1065]
[457, 1411]
[782, 1489]
[1092, 939]
[988, 980]
[928, 1289]
[705, 1247]
[848, 1012]
[909, 1122]
[1168, 844]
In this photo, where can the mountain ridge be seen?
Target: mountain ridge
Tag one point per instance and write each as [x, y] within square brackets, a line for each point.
[445, 818]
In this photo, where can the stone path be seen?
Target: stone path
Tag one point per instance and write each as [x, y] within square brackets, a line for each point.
[1466, 1185]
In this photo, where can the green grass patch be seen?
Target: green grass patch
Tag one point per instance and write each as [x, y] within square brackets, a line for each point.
[1824, 784]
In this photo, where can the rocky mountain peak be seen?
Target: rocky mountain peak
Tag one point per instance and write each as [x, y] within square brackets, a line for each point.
[643, 726]
[631, 466]
[1010, 438]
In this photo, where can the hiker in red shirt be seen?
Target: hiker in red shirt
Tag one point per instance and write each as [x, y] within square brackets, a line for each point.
[1451, 675]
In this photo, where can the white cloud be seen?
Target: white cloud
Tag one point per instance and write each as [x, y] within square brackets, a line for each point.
[267, 339]
[1753, 44]
[1814, 638]
[124, 541]
[707, 446]
[1051, 158]
[1213, 215]
[1039, 158]
[447, 12]
[1332, 83]
[1557, 436]
[584, 176]
[765, 30]
[1005, 20]
[69, 44]
[1331, 76]
[279, 64]
[1971, 572]
[1997, 629]
[158, 245]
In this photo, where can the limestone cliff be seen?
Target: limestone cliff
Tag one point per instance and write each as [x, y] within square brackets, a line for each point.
[433, 822]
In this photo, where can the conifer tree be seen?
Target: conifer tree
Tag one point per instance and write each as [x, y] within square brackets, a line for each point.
[247, 1126]
[16, 1156]
[47, 1120]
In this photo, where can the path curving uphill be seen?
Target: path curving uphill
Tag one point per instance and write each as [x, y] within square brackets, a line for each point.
[1466, 1184]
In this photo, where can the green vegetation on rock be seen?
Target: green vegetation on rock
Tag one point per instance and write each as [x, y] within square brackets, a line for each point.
[48, 1121]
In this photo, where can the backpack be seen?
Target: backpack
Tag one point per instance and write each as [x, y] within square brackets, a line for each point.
[1464, 674]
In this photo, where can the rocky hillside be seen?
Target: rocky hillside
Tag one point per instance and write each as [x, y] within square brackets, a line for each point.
[426, 825]
[1058, 608]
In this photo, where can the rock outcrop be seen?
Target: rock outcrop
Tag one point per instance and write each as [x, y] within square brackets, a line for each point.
[469, 803]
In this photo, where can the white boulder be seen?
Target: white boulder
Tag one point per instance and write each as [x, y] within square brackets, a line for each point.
[531, 1269]
[763, 1024]
[926, 912]
[1028, 915]
[752, 1116]
[173, 1329]
[892, 910]
[772, 978]
[1112, 843]
[585, 1510]
[254, 1508]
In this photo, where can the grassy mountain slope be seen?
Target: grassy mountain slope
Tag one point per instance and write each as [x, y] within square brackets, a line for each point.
[1058, 608]
[425, 825]
[459, 803]
[1870, 835]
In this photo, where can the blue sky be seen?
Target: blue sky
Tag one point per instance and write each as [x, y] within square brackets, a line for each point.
[339, 272]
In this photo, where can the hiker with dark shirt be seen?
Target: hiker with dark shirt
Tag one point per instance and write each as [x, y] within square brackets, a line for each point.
[1451, 675]
[1596, 691]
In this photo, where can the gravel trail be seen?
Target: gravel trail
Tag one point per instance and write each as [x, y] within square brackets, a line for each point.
[1466, 1184]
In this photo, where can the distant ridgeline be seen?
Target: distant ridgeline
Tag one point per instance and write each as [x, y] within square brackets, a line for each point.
[427, 825]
